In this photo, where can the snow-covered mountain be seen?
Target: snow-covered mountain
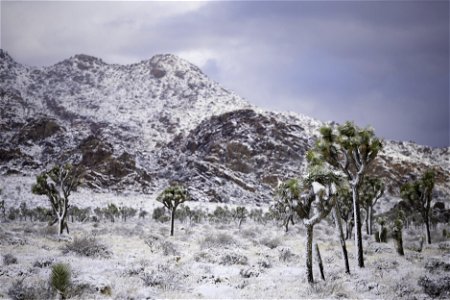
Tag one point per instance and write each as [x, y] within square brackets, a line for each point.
[139, 126]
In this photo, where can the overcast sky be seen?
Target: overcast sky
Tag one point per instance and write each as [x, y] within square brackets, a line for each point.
[384, 64]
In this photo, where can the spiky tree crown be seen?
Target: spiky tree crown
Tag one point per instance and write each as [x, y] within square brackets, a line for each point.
[60, 277]
[345, 147]
[417, 192]
[174, 195]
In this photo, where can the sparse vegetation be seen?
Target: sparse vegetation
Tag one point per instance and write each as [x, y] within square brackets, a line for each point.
[86, 246]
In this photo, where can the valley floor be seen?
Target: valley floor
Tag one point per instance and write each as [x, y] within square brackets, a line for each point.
[208, 260]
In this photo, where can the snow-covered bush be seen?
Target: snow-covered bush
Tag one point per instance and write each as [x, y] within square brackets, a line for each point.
[218, 240]
[270, 242]
[285, 254]
[43, 262]
[233, 258]
[86, 246]
[9, 259]
[22, 291]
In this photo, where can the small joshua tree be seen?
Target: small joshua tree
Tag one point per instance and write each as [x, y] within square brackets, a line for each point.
[381, 235]
[171, 197]
[240, 214]
[397, 232]
[419, 195]
[60, 279]
[312, 200]
[111, 212]
[57, 184]
[371, 190]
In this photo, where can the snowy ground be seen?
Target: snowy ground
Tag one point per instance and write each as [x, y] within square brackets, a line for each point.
[209, 260]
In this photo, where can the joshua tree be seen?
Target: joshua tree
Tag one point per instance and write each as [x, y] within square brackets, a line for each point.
[171, 197]
[111, 212]
[371, 190]
[312, 200]
[397, 232]
[240, 214]
[349, 149]
[419, 193]
[57, 184]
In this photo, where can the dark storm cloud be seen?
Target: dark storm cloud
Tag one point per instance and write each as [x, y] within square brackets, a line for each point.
[379, 63]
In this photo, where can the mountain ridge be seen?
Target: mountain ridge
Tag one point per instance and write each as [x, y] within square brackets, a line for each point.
[138, 126]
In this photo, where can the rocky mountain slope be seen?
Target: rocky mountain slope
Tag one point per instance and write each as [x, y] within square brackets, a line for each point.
[139, 126]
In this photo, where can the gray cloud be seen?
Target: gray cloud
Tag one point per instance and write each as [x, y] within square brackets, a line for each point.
[379, 63]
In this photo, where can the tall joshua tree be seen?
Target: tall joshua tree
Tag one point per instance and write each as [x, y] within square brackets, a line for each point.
[371, 190]
[171, 197]
[57, 184]
[312, 200]
[419, 195]
[350, 149]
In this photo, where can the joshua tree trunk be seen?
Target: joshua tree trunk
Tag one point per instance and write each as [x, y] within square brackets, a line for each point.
[309, 266]
[319, 261]
[369, 220]
[172, 221]
[358, 236]
[399, 242]
[427, 225]
[338, 223]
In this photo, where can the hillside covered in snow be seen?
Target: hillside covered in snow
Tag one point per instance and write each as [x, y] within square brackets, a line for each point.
[137, 127]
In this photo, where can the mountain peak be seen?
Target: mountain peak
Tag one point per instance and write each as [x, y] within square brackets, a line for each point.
[171, 62]
[5, 58]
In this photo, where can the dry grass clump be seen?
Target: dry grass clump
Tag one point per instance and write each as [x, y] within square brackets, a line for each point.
[19, 290]
[270, 242]
[219, 240]
[9, 259]
[86, 246]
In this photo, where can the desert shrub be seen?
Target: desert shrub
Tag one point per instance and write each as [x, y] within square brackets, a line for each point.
[270, 242]
[19, 291]
[142, 214]
[153, 241]
[436, 287]
[127, 212]
[444, 246]
[250, 233]
[248, 272]
[60, 278]
[160, 214]
[13, 213]
[111, 212]
[233, 258]
[326, 290]
[168, 248]
[85, 246]
[217, 240]
[9, 259]
[163, 277]
[285, 254]
[264, 263]
[42, 214]
[43, 262]
[221, 215]
[256, 215]
[434, 265]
